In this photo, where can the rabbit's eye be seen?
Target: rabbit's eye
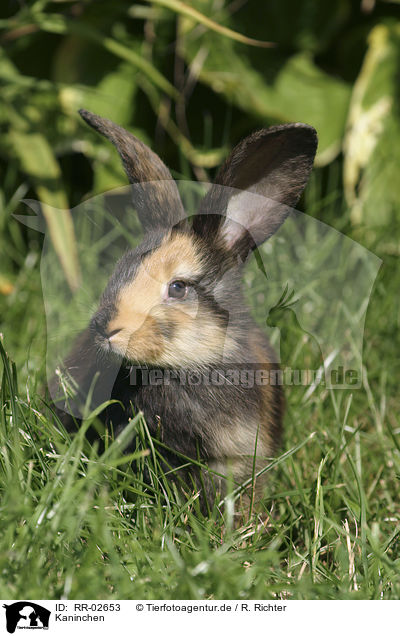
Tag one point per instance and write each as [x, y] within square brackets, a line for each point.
[177, 289]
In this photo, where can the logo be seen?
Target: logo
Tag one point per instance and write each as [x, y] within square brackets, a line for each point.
[26, 615]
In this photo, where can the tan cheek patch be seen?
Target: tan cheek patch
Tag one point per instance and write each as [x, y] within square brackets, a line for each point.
[146, 344]
[196, 341]
[141, 307]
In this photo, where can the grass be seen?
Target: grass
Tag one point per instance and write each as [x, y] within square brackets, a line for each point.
[79, 523]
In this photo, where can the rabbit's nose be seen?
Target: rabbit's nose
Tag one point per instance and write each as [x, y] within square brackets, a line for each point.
[113, 333]
[98, 327]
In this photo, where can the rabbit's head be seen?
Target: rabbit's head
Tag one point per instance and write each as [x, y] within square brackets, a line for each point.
[169, 302]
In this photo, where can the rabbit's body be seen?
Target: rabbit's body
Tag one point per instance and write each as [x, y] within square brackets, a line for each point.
[173, 310]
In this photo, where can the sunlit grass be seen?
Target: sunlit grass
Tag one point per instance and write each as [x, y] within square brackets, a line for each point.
[78, 522]
[82, 522]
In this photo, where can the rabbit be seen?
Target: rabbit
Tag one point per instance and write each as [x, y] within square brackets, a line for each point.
[176, 304]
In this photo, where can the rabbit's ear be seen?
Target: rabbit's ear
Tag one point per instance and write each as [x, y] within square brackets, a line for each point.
[257, 186]
[156, 196]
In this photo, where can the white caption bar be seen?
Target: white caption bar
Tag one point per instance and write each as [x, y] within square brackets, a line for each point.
[138, 616]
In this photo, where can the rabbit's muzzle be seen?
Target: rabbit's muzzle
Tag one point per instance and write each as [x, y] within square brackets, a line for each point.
[99, 326]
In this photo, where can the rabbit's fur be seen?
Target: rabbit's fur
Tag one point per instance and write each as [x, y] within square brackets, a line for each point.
[210, 328]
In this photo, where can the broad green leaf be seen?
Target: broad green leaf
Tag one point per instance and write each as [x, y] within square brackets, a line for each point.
[38, 161]
[8, 70]
[298, 91]
[372, 145]
[108, 171]
[102, 98]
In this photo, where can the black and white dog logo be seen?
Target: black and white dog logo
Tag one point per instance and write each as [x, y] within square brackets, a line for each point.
[26, 615]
